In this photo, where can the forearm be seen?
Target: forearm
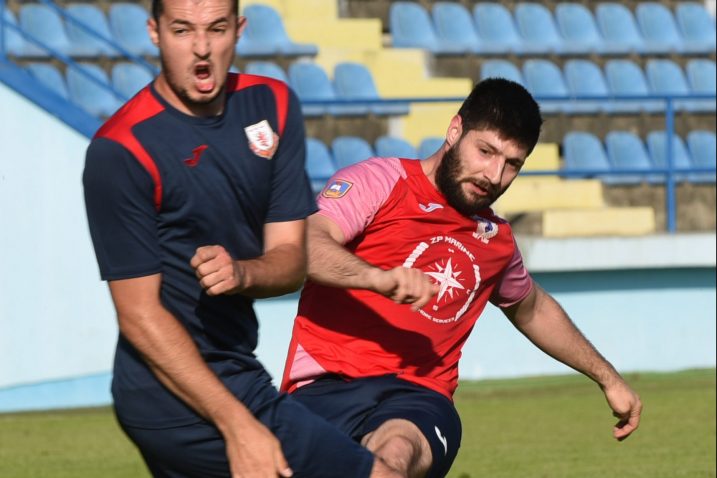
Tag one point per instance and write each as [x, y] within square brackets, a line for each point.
[279, 271]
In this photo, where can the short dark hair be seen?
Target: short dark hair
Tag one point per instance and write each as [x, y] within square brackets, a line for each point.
[503, 106]
[158, 9]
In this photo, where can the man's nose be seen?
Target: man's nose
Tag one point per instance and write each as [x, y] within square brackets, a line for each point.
[201, 45]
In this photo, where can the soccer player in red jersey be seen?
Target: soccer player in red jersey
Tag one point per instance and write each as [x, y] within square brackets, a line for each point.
[403, 257]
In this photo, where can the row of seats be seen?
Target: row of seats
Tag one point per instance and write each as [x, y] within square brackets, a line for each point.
[531, 28]
[582, 152]
[83, 30]
[619, 77]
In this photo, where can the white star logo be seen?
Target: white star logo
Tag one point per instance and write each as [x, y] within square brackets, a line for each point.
[447, 279]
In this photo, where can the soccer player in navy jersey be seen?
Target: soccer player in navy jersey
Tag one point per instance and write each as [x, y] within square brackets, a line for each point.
[403, 257]
[196, 198]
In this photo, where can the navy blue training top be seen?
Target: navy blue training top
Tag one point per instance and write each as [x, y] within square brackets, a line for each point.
[158, 184]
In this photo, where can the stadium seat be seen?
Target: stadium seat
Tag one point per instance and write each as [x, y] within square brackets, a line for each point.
[128, 78]
[390, 146]
[657, 148]
[45, 24]
[658, 28]
[703, 150]
[579, 29]
[537, 27]
[619, 28]
[411, 27]
[665, 77]
[310, 82]
[128, 23]
[499, 68]
[89, 95]
[626, 78]
[626, 150]
[697, 27]
[496, 29]
[454, 26]
[702, 79]
[13, 41]
[584, 151]
[544, 79]
[319, 163]
[348, 150]
[92, 18]
[265, 35]
[266, 68]
[429, 145]
[49, 76]
[585, 78]
[353, 81]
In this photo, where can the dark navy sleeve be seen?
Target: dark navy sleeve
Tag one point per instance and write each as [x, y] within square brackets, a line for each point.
[291, 194]
[120, 212]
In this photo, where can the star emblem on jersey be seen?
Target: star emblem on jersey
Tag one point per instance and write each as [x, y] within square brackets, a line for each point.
[262, 139]
[446, 278]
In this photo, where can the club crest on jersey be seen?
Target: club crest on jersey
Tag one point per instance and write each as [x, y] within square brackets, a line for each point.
[485, 229]
[336, 189]
[262, 139]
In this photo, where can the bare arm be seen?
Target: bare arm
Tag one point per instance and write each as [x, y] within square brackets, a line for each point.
[544, 322]
[330, 263]
[280, 270]
[174, 358]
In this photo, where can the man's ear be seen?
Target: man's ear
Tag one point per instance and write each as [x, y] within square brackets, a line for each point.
[455, 130]
[241, 25]
[153, 31]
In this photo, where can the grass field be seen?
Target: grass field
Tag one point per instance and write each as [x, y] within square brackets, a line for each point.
[549, 427]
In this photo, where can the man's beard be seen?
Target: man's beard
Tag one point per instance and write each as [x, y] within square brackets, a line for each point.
[182, 92]
[447, 174]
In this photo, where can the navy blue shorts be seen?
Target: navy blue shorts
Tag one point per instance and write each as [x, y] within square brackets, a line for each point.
[359, 406]
[312, 446]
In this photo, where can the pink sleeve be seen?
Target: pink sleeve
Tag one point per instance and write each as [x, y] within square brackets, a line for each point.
[354, 194]
[514, 285]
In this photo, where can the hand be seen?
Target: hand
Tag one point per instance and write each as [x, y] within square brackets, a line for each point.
[405, 286]
[217, 271]
[254, 452]
[626, 406]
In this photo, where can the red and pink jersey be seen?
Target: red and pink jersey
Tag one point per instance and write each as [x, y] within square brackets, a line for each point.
[392, 215]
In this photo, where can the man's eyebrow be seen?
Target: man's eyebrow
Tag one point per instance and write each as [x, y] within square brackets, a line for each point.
[179, 21]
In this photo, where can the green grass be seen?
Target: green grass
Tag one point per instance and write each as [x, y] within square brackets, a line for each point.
[548, 427]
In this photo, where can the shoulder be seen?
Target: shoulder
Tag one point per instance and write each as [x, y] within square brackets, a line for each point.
[138, 109]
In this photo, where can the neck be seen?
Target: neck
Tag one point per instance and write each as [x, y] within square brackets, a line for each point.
[202, 110]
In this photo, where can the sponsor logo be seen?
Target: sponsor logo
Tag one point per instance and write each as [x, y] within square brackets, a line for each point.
[443, 439]
[196, 155]
[262, 139]
[336, 189]
[485, 229]
[431, 206]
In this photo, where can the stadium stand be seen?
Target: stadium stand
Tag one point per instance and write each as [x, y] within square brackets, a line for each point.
[697, 26]
[49, 76]
[97, 97]
[657, 148]
[320, 164]
[619, 28]
[311, 83]
[585, 78]
[497, 29]
[543, 78]
[411, 27]
[702, 78]
[539, 31]
[348, 150]
[579, 29]
[353, 81]
[627, 151]
[665, 77]
[128, 25]
[87, 25]
[45, 24]
[658, 28]
[584, 151]
[702, 146]
[390, 146]
[13, 41]
[265, 35]
[128, 78]
[266, 68]
[626, 78]
[454, 25]
[429, 145]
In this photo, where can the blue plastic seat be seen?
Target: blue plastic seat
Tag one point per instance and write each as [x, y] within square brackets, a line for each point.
[579, 29]
[454, 25]
[429, 145]
[50, 77]
[702, 78]
[319, 163]
[129, 78]
[619, 28]
[89, 95]
[354, 81]
[128, 23]
[348, 150]
[310, 82]
[626, 78]
[390, 146]
[626, 150]
[585, 78]
[584, 151]
[658, 28]
[665, 77]
[499, 68]
[697, 27]
[543, 78]
[265, 35]
[45, 24]
[266, 68]
[92, 18]
[657, 148]
[537, 27]
[497, 30]
[13, 41]
[411, 27]
[703, 151]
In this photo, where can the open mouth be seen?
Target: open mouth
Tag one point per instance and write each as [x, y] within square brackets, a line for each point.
[203, 78]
